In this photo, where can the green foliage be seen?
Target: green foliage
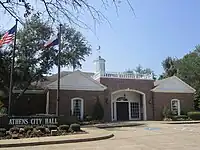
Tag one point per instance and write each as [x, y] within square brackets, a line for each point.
[88, 118]
[33, 60]
[180, 118]
[166, 112]
[64, 127]
[41, 128]
[169, 66]
[98, 111]
[187, 69]
[14, 129]
[142, 71]
[2, 132]
[75, 127]
[194, 115]
[28, 128]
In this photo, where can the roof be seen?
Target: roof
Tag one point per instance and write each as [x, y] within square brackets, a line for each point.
[52, 78]
[172, 85]
[77, 81]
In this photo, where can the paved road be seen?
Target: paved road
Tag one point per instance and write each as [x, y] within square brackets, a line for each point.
[153, 137]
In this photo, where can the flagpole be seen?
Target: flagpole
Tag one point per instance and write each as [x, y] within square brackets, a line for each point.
[58, 88]
[11, 71]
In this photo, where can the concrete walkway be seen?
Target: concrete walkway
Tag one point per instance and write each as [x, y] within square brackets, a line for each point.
[92, 135]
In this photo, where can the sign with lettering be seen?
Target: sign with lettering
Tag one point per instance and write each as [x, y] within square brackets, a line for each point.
[10, 121]
[36, 120]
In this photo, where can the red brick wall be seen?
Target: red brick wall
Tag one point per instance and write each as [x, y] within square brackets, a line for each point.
[142, 85]
[89, 98]
[164, 99]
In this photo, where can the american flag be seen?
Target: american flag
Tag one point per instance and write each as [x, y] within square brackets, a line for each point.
[8, 36]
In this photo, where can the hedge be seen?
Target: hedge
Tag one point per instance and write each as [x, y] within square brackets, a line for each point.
[179, 118]
[195, 115]
[75, 127]
[64, 127]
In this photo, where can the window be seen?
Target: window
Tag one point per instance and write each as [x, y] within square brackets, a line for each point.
[135, 110]
[77, 108]
[175, 106]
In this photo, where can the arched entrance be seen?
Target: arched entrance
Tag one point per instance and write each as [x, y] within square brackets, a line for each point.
[128, 104]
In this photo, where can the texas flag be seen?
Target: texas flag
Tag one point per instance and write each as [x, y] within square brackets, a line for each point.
[51, 42]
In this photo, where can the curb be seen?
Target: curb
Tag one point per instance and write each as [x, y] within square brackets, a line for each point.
[195, 122]
[57, 142]
[118, 126]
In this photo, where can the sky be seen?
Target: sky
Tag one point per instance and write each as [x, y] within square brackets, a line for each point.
[160, 28]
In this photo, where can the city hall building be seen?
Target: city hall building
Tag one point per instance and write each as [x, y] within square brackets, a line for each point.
[123, 96]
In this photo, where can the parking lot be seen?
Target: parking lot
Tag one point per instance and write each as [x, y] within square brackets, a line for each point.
[154, 136]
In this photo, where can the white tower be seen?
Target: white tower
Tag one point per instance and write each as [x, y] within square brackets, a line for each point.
[100, 64]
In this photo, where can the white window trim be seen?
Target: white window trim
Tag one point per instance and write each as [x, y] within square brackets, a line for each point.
[82, 106]
[179, 107]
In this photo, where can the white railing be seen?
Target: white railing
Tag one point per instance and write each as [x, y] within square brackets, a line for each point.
[122, 75]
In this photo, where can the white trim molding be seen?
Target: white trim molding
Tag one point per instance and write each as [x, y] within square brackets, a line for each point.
[82, 106]
[114, 102]
[177, 104]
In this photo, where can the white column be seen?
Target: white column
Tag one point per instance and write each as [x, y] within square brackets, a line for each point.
[47, 103]
[129, 110]
[115, 111]
[144, 107]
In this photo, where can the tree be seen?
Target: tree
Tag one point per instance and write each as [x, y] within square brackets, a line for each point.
[33, 60]
[142, 71]
[70, 11]
[98, 111]
[169, 66]
[187, 69]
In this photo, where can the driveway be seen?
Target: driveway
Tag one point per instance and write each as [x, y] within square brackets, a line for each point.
[155, 136]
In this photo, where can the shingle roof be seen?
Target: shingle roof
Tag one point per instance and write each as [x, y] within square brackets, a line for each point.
[53, 77]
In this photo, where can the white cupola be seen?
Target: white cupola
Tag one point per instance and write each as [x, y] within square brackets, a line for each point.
[100, 65]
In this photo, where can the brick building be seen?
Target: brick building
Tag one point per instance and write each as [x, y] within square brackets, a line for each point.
[124, 96]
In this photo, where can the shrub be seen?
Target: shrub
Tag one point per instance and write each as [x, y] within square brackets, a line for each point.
[64, 127]
[195, 115]
[41, 128]
[52, 127]
[88, 118]
[2, 132]
[75, 127]
[98, 112]
[14, 129]
[27, 128]
[166, 112]
[67, 119]
[180, 118]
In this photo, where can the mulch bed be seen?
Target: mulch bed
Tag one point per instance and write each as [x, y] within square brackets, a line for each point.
[38, 134]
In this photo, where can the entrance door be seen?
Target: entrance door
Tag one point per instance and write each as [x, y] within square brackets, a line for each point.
[122, 111]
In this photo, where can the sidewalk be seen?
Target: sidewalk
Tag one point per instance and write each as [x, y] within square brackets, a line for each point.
[92, 135]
